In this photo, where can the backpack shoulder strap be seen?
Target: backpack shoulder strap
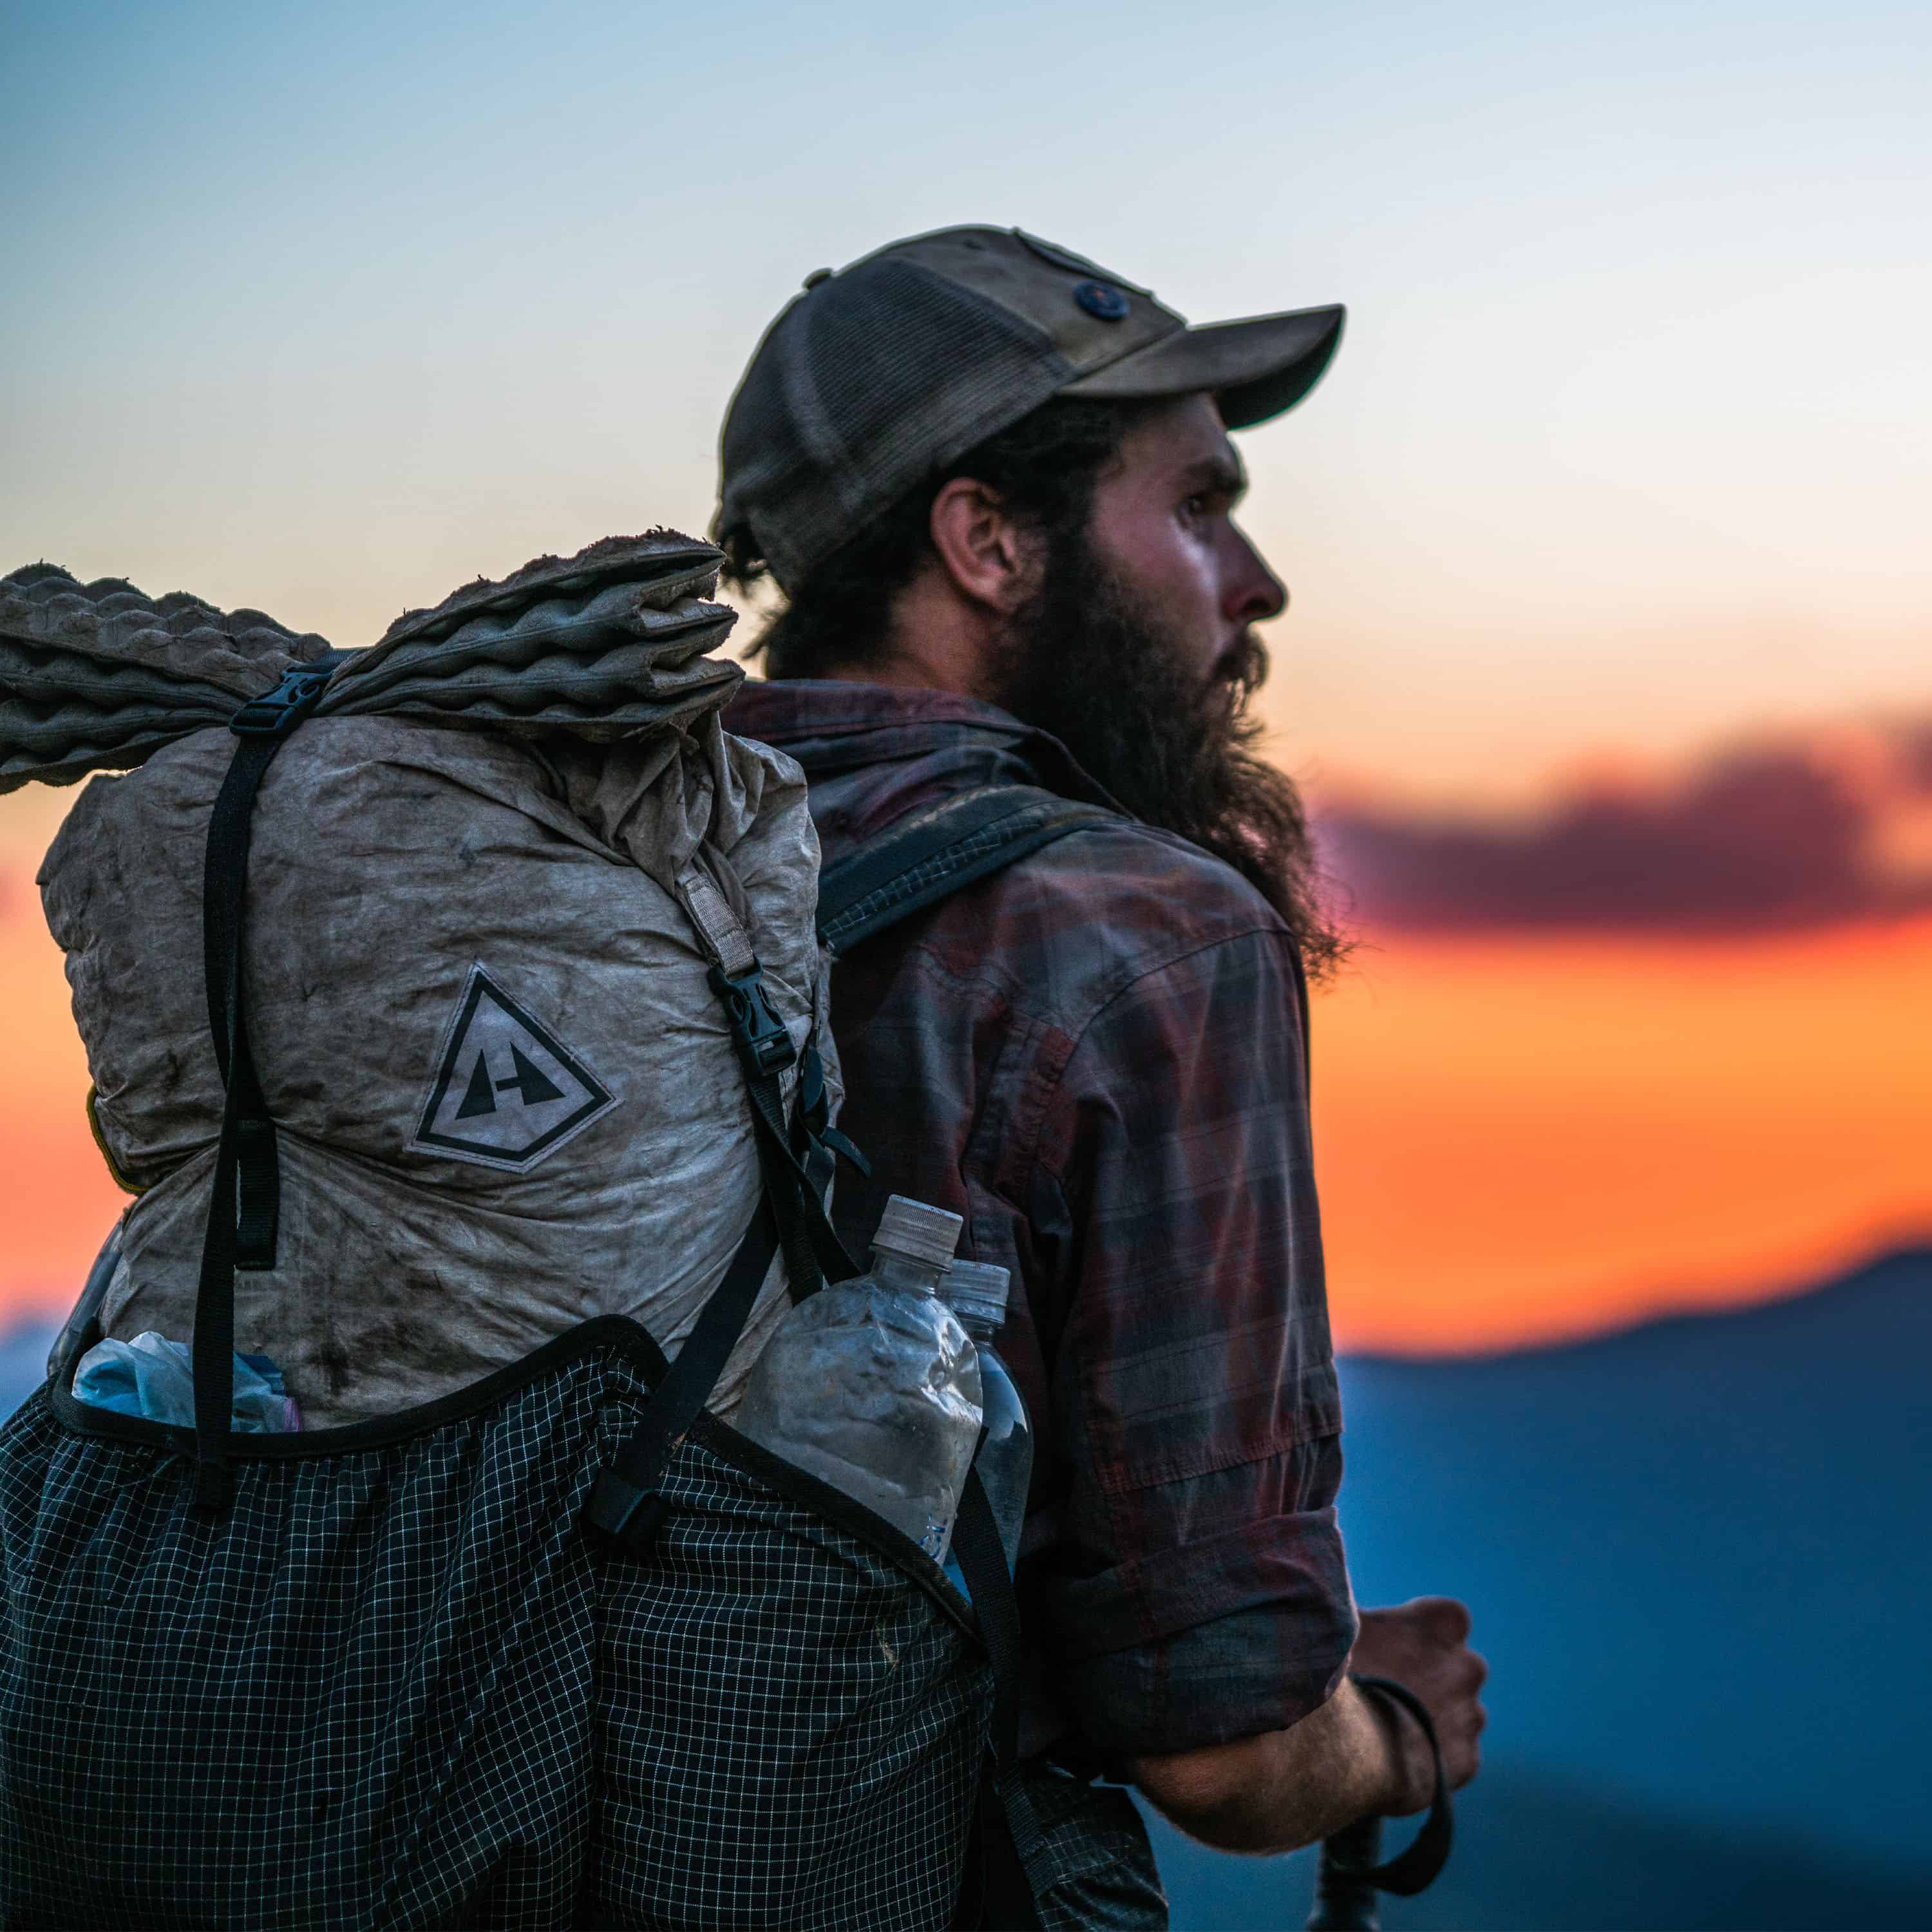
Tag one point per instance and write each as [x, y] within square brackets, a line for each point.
[931, 854]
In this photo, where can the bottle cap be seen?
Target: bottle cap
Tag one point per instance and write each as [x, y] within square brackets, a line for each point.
[976, 1291]
[920, 1233]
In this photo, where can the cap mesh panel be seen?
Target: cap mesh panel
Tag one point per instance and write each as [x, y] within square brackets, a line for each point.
[860, 390]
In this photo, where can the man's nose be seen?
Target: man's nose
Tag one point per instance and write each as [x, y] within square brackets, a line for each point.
[1254, 593]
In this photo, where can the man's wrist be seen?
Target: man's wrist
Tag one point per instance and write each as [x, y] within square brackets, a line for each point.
[1410, 1762]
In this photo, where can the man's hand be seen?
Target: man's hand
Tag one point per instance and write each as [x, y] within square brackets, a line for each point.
[1355, 1756]
[1424, 1646]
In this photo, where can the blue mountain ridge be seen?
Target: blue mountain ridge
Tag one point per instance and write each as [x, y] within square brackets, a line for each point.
[1697, 1551]
[1700, 1555]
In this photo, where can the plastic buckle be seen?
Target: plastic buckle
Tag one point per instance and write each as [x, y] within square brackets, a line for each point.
[757, 1032]
[276, 713]
[625, 1517]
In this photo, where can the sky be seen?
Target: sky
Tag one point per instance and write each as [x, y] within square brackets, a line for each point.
[1604, 534]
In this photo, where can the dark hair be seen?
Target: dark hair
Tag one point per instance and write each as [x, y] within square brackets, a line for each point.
[1045, 467]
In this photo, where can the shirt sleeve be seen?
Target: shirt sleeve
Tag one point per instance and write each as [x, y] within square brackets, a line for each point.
[1194, 1591]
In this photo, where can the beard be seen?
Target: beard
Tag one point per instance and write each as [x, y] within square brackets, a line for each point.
[1086, 662]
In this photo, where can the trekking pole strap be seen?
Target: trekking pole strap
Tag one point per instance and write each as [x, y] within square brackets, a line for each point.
[1419, 1864]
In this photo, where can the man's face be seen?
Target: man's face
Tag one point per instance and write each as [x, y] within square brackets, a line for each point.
[1162, 527]
[1136, 651]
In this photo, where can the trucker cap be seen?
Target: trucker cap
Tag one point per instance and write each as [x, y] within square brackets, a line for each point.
[874, 377]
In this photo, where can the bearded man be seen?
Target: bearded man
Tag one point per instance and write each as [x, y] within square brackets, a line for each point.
[995, 484]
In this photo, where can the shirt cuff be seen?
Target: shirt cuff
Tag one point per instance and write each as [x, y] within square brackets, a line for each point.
[1220, 1639]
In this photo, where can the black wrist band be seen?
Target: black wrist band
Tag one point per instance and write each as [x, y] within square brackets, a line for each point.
[1417, 1866]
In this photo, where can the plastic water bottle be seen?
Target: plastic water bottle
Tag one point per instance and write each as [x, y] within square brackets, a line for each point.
[976, 1293]
[872, 1385]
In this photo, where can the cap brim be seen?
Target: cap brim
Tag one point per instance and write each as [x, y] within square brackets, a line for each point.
[1254, 368]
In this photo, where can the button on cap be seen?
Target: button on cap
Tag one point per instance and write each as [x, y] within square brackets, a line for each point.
[1102, 301]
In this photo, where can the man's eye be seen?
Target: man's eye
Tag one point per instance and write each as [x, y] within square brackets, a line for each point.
[1194, 508]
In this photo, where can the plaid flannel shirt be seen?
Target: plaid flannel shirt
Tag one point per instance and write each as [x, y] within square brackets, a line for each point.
[1096, 1057]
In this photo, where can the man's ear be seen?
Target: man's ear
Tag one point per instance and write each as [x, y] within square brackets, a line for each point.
[980, 548]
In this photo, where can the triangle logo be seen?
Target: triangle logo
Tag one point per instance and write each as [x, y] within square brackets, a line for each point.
[507, 1091]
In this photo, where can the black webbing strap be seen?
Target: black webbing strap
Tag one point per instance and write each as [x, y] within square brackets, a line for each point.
[623, 1503]
[224, 885]
[813, 1253]
[827, 1146]
[244, 1207]
[983, 1562]
[996, 1893]
[1419, 1863]
[616, 1505]
[931, 854]
[790, 1158]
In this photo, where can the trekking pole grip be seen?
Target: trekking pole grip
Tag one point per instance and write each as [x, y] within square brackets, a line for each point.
[1344, 1895]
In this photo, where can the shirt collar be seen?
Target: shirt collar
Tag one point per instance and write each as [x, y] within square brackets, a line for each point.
[830, 726]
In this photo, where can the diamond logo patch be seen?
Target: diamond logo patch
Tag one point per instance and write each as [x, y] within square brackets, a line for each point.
[507, 1091]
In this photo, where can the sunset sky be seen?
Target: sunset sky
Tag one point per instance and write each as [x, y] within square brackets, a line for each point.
[1610, 658]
